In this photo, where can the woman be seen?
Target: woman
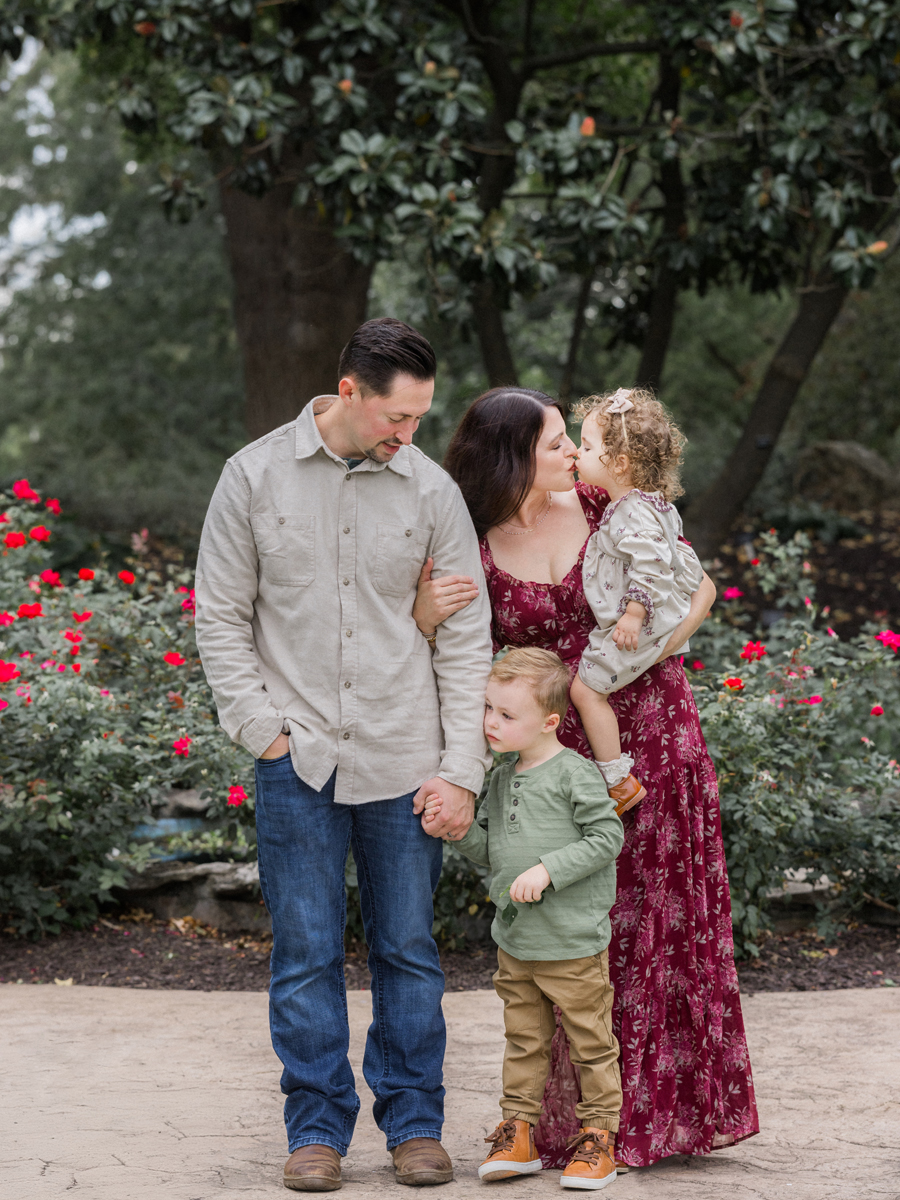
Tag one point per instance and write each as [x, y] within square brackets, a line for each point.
[685, 1068]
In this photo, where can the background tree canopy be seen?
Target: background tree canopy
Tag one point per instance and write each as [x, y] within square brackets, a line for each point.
[576, 195]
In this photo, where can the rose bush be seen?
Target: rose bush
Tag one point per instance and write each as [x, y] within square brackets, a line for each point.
[103, 710]
[797, 724]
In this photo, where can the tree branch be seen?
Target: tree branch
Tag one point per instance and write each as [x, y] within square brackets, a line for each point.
[545, 61]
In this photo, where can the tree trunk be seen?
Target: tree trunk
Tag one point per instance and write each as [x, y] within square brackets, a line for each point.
[298, 296]
[666, 287]
[495, 351]
[709, 518]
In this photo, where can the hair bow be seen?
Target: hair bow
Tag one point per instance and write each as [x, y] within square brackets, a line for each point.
[621, 402]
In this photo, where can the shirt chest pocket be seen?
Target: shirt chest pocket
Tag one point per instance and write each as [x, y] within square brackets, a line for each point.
[286, 544]
[400, 552]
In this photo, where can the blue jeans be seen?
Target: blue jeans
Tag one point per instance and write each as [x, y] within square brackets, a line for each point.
[303, 839]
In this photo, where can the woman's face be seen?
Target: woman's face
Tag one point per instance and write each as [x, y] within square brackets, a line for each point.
[554, 456]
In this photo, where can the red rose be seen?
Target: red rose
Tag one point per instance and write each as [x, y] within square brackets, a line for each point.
[8, 671]
[22, 490]
[174, 659]
[126, 577]
[14, 539]
[82, 617]
[736, 20]
[5, 704]
[86, 574]
[877, 710]
[732, 593]
[30, 611]
[753, 651]
[6, 618]
[236, 796]
[182, 746]
[735, 684]
[54, 506]
[71, 636]
[40, 533]
[588, 127]
[52, 578]
[145, 28]
[76, 667]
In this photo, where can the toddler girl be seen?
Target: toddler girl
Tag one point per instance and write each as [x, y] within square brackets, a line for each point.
[638, 577]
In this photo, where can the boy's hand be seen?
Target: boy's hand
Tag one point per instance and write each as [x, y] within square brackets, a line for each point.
[628, 630]
[530, 884]
[433, 805]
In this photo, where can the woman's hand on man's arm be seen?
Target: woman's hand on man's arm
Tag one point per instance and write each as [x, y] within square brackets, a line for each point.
[437, 599]
[701, 602]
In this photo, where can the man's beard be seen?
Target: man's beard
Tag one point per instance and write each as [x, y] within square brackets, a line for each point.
[373, 453]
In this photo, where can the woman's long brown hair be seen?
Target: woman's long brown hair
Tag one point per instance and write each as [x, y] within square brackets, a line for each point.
[491, 454]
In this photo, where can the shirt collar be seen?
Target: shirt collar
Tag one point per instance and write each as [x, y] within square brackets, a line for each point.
[309, 440]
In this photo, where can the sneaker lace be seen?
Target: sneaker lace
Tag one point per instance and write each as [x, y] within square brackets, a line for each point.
[587, 1147]
[502, 1138]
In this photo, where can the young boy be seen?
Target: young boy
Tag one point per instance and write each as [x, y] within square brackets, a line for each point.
[550, 834]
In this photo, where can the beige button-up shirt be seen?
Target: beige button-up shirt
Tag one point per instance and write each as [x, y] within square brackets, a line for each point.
[305, 586]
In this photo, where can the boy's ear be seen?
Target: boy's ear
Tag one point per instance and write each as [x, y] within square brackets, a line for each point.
[551, 723]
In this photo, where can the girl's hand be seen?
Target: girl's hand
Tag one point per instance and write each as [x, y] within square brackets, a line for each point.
[433, 805]
[437, 599]
[530, 884]
[628, 631]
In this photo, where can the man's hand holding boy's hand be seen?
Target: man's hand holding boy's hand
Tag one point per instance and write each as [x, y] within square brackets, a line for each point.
[530, 884]
[452, 817]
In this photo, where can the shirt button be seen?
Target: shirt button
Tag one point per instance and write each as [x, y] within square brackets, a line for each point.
[281, 520]
[346, 582]
[515, 785]
[346, 737]
[346, 529]
[409, 533]
[512, 816]
[349, 632]
[516, 801]
[348, 476]
[347, 684]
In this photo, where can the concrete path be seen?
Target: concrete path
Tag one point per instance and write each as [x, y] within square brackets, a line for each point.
[137, 1095]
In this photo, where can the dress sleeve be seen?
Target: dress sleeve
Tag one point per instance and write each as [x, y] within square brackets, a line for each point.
[638, 536]
[593, 502]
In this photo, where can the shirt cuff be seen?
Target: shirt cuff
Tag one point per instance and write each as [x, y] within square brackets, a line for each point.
[463, 770]
[556, 863]
[259, 734]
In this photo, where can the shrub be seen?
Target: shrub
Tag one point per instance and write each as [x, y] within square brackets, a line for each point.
[799, 725]
[104, 710]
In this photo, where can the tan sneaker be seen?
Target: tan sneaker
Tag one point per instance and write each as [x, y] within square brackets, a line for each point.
[313, 1169]
[627, 794]
[422, 1162]
[593, 1164]
[512, 1153]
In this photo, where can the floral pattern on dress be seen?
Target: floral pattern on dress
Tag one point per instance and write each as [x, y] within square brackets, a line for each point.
[686, 1076]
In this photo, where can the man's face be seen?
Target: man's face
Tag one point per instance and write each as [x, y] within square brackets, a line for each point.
[380, 425]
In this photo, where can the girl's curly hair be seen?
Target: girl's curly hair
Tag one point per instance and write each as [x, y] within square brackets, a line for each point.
[646, 433]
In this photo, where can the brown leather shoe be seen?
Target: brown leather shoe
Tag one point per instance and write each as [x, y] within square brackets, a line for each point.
[313, 1169]
[512, 1152]
[627, 794]
[422, 1162]
[593, 1163]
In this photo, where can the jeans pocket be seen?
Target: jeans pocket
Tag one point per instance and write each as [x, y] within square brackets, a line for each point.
[274, 762]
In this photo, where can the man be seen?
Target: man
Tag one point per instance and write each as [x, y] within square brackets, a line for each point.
[307, 574]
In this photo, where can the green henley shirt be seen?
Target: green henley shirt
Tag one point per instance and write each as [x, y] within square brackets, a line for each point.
[559, 814]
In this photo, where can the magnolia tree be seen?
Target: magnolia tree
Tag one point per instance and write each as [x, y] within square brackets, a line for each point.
[103, 710]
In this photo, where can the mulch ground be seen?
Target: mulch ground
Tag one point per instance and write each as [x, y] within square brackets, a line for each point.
[137, 951]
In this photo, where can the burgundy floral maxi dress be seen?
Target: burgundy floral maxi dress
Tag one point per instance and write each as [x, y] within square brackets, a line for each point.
[685, 1068]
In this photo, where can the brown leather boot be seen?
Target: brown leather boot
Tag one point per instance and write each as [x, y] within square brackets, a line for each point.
[627, 794]
[512, 1152]
[313, 1169]
[422, 1162]
[593, 1163]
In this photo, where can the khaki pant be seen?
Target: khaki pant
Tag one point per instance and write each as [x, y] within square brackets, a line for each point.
[581, 989]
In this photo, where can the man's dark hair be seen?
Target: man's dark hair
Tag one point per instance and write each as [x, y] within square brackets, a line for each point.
[382, 349]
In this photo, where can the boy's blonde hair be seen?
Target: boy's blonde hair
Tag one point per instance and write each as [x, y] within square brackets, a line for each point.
[646, 433]
[545, 671]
